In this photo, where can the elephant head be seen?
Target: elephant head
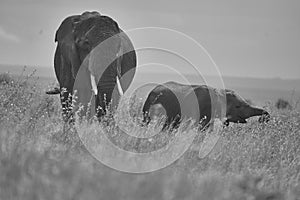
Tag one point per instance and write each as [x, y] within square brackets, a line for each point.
[238, 110]
[163, 96]
[76, 53]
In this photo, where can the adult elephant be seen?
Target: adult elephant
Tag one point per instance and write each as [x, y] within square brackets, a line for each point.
[92, 56]
[200, 102]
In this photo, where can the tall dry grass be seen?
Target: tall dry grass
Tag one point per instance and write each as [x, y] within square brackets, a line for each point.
[43, 158]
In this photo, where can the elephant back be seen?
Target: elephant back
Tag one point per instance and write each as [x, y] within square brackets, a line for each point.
[211, 102]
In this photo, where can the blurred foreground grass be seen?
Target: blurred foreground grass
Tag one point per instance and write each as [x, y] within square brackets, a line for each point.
[43, 158]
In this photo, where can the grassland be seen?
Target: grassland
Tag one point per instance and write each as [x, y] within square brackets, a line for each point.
[43, 158]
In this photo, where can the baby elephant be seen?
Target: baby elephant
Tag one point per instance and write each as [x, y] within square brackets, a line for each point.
[201, 103]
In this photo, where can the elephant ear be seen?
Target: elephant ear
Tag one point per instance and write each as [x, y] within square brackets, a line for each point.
[66, 28]
[66, 59]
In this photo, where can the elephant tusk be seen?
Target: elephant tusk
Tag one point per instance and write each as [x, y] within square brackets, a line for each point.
[119, 86]
[94, 84]
[119, 72]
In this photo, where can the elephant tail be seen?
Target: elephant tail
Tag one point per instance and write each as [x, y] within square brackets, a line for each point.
[54, 91]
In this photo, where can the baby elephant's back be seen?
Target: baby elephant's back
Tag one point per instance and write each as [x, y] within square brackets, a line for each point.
[203, 103]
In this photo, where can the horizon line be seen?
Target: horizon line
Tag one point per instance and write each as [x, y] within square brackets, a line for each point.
[187, 73]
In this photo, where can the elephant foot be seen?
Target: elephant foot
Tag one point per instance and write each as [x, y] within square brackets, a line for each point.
[226, 123]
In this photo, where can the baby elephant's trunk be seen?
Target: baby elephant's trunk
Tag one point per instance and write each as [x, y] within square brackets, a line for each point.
[264, 115]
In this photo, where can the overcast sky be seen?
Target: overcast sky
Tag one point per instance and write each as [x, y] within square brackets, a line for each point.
[256, 38]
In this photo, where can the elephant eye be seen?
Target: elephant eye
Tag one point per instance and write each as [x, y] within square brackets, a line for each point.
[238, 106]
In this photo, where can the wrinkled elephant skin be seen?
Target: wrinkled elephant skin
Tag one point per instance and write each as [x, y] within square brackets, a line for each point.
[80, 64]
[201, 103]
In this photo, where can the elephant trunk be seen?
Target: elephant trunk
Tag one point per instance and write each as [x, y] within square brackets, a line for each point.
[265, 117]
[127, 61]
[256, 111]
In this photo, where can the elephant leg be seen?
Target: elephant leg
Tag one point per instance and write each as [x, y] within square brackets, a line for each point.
[100, 111]
[66, 102]
[66, 90]
[103, 99]
[172, 123]
[108, 90]
[66, 94]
